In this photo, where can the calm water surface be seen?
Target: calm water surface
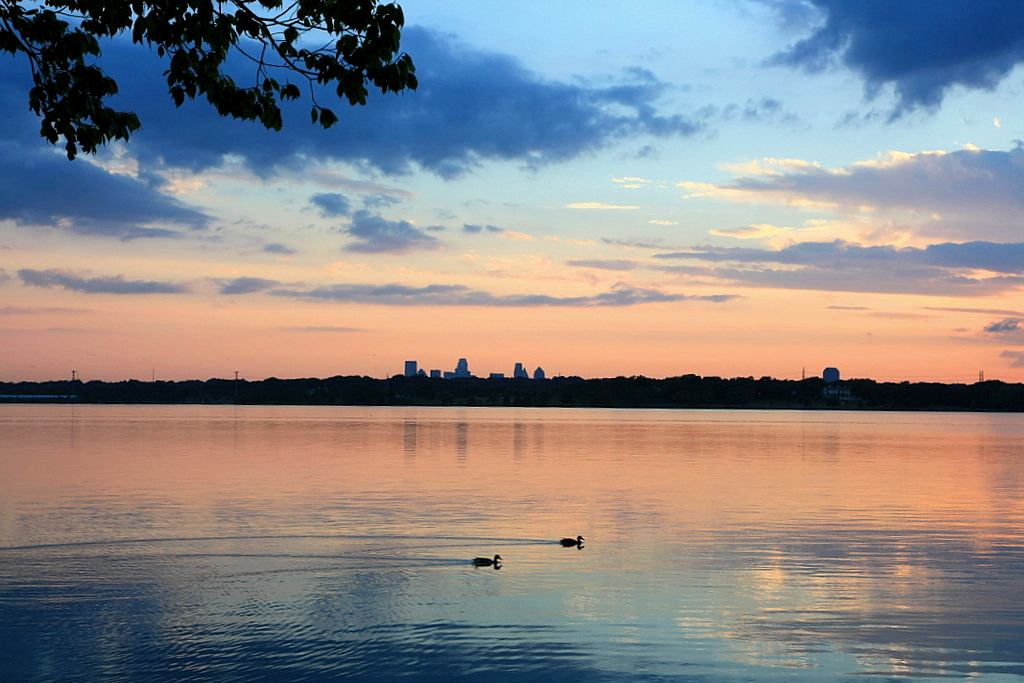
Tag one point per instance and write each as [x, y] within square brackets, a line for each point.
[158, 543]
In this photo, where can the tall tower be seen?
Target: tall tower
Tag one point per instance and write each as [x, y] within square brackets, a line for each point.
[520, 371]
[462, 369]
[410, 368]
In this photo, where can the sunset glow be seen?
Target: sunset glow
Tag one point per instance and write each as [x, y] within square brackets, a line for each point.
[701, 187]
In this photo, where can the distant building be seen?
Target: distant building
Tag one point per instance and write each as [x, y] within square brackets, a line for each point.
[520, 371]
[462, 369]
[421, 373]
[538, 373]
[496, 375]
[839, 391]
[436, 374]
[410, 368]
[830, 375]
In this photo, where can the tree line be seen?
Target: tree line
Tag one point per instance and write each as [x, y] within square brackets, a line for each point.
[686, 391]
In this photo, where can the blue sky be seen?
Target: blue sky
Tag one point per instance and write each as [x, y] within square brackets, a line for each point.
[733, 187]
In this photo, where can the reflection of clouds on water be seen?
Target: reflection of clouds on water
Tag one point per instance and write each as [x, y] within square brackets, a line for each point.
[309, 543]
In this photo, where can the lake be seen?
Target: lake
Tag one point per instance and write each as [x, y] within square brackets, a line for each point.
[165, 543]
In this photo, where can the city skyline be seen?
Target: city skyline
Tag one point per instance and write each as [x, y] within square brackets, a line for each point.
[724, 188]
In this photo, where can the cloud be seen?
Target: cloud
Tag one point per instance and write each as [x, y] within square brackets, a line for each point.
[332, 204]
[473, 229]
[923, 48]
[460, 295]
[519, 236]
[749, 232]
[946, 269]
[116, 284]
[607, 264]
[966, 193]
[472, 106]
[1007, 325]
[378, 235]
[985, 311]
[246, 285]
[598, 205]
[39, 187]
[1017, 356]
[38, 310]
[277, 248]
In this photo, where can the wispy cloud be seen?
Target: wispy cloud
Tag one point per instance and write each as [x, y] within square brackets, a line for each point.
[277, 248]
[965, 194]
[605, 264]
[750, 232]
[473, 229]
[946, 269]
[79, 282]
[246, 285]
[460, 295]
[600, 205]
[39, 310]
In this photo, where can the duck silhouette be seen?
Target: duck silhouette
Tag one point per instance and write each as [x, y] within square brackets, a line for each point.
[570, 542]
[487, 562]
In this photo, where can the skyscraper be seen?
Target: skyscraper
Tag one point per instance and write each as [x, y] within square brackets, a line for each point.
[520, 371]
[538, 373]
[410, 368]
[462, 369]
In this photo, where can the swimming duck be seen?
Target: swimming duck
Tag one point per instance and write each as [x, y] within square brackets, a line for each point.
[486, 561]
[570, 542]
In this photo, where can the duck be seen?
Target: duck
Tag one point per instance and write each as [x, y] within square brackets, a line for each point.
[570, 542]
[486, 561]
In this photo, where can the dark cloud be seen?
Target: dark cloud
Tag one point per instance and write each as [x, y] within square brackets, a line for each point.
[246, 285]
[38, 186]
[4, 277]
[332, 204]
[940, 269]
[473, 229]
[606, 264]
[460, 295]
[277, 248]
[921, 47]
[471, 106]
[44, 189]
[1007, 325]
[378, 235]
[97, 285]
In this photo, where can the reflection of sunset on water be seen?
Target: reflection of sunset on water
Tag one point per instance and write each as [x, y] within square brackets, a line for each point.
[845, 541]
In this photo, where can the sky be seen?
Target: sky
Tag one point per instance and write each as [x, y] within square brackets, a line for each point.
[714, 187]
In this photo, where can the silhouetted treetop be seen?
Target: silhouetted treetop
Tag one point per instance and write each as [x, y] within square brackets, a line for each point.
[345, 44]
